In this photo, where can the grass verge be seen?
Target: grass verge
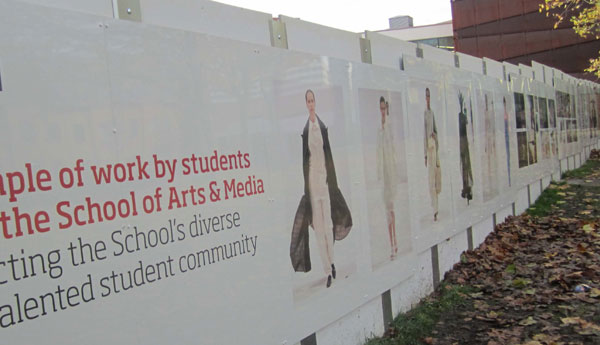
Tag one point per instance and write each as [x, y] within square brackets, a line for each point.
[418, 323]
[549, 197]
[584, 170]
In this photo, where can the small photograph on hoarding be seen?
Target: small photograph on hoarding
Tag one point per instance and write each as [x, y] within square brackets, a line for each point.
[520, 110]
[323, 216]
[522, 146]
[382, 131]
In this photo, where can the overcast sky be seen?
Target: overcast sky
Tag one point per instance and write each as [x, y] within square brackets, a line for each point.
[352, 16]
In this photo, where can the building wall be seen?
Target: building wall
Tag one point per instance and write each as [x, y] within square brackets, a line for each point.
[435, 35]
[515, 31]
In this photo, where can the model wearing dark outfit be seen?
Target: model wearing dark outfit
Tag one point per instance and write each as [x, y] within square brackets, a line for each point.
[341, 218]
[465, 156]
[506, 139]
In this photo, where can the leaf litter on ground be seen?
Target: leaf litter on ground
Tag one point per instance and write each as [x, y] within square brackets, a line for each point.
[522, 279]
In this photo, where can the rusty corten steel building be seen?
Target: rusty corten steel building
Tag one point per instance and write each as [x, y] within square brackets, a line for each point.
[515, 31]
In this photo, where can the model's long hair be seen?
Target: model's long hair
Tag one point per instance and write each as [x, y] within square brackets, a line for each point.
[387, 105]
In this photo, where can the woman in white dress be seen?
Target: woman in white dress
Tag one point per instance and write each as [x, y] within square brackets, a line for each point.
[490, 146]
[432, 159]
[387, 171]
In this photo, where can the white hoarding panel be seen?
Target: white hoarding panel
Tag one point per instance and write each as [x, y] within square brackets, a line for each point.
[470, 63]
[566, 119]
[488, 147]
[387, 51]
[382, 122]
[151, 189]
[461, 147]
[209, 17]
[511, 69]
[504, 109]
[431, 161]
[549, 72]
[494, 68]
[526, 103]
[96, 7]
[381, 190]
[437, 55]
[322, 40]
[538, 70]
[547, 127]
[526, 71]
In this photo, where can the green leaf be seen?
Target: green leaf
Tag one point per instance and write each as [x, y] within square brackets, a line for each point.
[521, 282]
[588, 228]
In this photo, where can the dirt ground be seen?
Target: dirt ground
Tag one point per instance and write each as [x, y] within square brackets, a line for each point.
[536, 278]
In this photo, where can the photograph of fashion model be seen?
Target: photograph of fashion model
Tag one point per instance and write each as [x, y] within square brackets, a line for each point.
[387, 171]
[386, 187]
[532, 130]
[432, 160]
[489, 156]
[507, 138]
[322, 206]
[520, 120]
[465, 156]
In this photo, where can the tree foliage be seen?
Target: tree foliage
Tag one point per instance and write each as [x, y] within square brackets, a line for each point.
[585, 16]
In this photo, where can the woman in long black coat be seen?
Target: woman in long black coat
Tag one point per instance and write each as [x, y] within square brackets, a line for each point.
[340, 213]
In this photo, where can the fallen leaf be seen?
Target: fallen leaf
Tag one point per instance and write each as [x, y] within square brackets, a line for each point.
[483, 318]
[595, 293]
[521, 282]
[554, 278]
[582, 326]
[481, 305]
[566, 307]
[492, 315]
[570, 320]
[547, 338]
[588, 328]
[528, 321]
[476, 294]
